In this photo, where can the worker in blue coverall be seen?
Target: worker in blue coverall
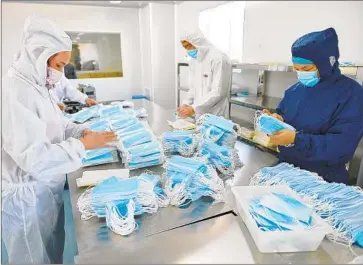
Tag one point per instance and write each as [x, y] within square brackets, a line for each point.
[325, 107]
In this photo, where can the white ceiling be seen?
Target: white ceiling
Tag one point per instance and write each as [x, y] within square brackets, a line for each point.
[123, 4]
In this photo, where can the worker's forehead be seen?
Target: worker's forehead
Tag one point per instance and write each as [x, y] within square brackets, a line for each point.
[306, 67]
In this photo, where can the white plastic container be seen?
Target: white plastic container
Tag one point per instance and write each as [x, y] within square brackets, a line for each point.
[278, 241]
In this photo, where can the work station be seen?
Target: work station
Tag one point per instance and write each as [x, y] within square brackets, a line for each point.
[167, 132]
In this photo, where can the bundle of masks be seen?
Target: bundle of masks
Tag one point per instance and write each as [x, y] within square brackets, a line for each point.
[188, 179]
[224, 158]
[100, 156]
[280, 212]
[340, 205]
[217, 130]
[179, 142]
[270, 125]
[144, 155]
[85, 114]
[119, 200]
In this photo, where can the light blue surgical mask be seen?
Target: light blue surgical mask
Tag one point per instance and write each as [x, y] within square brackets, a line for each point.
[104, 158]
[308, 79]
[224, 158]
[270, 125]
[180, 142]
[139, 137]
[193, 53]
[144, 155]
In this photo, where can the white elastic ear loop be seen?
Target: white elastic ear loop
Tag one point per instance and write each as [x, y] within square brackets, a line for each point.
[122, 225]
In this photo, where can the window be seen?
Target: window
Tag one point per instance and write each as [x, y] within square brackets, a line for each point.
[94, 55]
[223, 26]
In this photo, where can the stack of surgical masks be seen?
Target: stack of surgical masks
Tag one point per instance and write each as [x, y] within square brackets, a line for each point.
[107, 112]
[270, 125]
[188, 179]
[223, 158]
[340, 205]
[134, 138]
[144, 155]
[119, 200]
[280, 212]
[217, 130]
[100, 156]
[85, 114]
[180, 142]
[99, 126]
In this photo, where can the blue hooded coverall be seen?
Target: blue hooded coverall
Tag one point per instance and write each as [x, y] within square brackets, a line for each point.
[328, 117]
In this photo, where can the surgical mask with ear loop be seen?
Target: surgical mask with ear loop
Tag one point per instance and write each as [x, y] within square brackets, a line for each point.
[53, 77]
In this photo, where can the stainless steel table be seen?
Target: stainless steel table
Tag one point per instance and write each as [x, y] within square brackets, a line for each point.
[93, 235]
[202, 233]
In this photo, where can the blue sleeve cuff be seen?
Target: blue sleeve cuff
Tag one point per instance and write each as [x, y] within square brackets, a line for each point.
[299, 140]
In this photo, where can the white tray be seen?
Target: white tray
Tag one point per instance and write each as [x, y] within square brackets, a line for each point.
[278, 241]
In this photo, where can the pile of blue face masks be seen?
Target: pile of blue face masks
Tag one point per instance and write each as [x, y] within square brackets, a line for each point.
[122, 122]
[119, 200]
[340, 205]
[136, 138]
[223, 158]
[217, 130]
[144, 155]
[280, 212]
[188, 179]
[108, 112]
[99, 156]
[85, 114]
[99, 126]
[181, 142]
[270, 125]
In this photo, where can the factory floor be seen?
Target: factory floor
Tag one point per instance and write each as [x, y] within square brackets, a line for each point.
[70, 248]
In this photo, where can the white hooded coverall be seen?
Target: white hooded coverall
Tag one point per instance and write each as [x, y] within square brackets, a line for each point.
[39, 147]
[64, 89]
[210, 78]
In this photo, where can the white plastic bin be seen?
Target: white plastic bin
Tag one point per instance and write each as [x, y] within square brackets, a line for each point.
[278, 241]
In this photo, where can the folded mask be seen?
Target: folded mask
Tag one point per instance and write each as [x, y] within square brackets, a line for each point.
[181, 142]
[144, 155]
[270, 125]
[139, 137]
[223, 158]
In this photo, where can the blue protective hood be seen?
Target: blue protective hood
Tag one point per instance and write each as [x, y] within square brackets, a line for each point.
[321, 47]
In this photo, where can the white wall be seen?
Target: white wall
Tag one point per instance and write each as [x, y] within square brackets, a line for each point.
[163, 54]
[272, 26]
[145, 35]
[82, 19]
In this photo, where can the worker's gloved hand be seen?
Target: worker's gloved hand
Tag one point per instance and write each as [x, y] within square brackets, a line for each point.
[283, 137]
[90, 102]
[275, 115]
[185, 111]
[61, 106]
[95, 140]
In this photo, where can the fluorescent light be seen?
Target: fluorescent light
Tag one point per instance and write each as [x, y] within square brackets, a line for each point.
[115, 2]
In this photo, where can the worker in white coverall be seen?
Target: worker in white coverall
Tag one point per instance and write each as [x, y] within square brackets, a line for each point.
[64, 89]
[39, 146]
[210, 78]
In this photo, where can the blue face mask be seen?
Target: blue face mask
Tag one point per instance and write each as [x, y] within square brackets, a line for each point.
[308, 79]
[270, 125]
[193, 53]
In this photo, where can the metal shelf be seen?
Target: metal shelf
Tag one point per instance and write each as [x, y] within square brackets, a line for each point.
[256, 102]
